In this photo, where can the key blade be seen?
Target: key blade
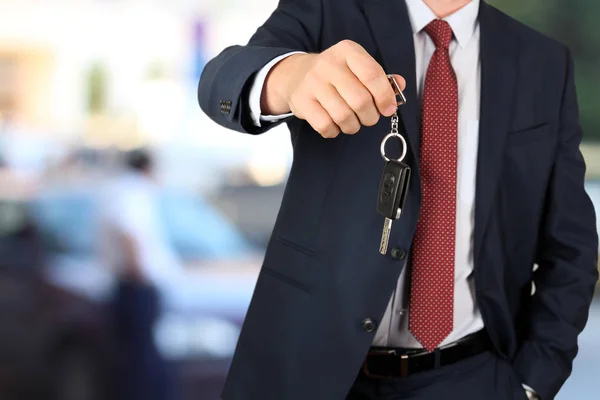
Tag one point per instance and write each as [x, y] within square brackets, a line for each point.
[385, 236]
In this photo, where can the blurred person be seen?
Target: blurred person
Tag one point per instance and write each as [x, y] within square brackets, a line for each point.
[133, 243]
[493, 133]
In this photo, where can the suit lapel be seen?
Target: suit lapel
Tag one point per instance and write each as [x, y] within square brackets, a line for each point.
[390, 26]
[498, 58]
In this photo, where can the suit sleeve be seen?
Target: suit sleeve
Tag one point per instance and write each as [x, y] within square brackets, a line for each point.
[567, 259]
[223, 91]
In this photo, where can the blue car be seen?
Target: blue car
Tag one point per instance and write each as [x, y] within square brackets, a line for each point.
[200, 319]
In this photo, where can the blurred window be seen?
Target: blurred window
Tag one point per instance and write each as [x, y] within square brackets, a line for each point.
[195, 229]
[66, 223]
[12, 218]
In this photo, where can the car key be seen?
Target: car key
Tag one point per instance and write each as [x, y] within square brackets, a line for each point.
[393, 188]
[393, 191]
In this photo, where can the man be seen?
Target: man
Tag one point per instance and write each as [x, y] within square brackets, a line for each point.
[134, 245]
[493, 137]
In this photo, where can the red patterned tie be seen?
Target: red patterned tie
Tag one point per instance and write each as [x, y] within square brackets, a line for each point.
[432, 281]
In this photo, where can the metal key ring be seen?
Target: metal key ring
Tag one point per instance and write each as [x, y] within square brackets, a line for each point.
[384, 141]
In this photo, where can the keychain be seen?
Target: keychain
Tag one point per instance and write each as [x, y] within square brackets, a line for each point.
[395, 178]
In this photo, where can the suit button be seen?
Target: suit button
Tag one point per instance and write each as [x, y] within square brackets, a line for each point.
[369, 325]
[398, 253]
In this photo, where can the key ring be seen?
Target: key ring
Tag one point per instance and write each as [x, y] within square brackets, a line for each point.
[395, 134]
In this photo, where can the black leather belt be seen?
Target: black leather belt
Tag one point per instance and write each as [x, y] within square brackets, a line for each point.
[392, 363]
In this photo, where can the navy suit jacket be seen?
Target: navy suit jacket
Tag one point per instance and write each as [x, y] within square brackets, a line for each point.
[322, 276]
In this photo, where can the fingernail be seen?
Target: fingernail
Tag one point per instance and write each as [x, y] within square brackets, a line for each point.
[390, 110]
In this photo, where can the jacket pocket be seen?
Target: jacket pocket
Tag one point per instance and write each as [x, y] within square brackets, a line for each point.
[291, 262]
[529, 135]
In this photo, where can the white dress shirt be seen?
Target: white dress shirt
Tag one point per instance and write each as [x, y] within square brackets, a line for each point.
[464, 53]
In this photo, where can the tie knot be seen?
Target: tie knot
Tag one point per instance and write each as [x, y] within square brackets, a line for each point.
[440, 32]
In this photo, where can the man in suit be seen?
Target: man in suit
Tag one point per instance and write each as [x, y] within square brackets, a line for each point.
[493, 136]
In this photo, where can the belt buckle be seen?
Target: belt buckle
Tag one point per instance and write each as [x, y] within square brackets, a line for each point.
[403, 365]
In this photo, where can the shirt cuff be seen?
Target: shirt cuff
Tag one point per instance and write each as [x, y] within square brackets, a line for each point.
[256, 92]
[529, 389]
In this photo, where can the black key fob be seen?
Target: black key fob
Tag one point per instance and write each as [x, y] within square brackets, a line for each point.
[393, 189]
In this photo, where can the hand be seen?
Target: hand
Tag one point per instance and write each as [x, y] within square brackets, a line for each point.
[335, 91]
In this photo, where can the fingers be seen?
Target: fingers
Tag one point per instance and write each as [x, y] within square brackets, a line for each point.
[374, 78]
[320, 120]
[400, 80]
[356, 95]
[342, 114]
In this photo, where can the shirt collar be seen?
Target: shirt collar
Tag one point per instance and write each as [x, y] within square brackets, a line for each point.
[463, 22]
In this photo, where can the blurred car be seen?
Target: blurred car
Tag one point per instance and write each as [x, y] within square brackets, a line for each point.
[47, 334]
[253, 208]
[593, 189]
[56, 302]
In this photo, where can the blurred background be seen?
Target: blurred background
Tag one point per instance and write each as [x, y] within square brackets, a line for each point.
[82, 83]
